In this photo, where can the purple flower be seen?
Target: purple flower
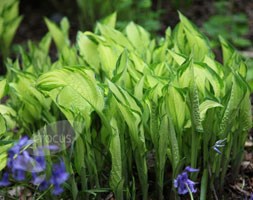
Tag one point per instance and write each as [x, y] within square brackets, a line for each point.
[59, 176]
[218, 144]
[40, 159]
[16, 149]
[44, 185]
[24, 141]
[40, 165]
[23, 163]
[20, 162]
[40, 180]
[189, 169]
[18, 159]
[5, 180]
[37, 179]
[18, 174]
[57, 190]
[183, 183]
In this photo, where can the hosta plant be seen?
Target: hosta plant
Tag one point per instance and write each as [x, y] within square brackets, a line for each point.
[151, 118]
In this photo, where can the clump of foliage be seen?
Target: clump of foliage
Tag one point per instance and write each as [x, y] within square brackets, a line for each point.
[9, 22]
[232, 26]
[136, 97]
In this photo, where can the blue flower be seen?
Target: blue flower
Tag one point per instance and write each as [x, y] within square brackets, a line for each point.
[23, 163]
[218, 144]
[57, 190]
[20, 161]
[189, 169]
[59, 176]
[18, 174]
[40, 159]
[44, 185]
[16, 149]
[40, 165]
[24, 141]
[40, 180]
[183, 183]
[37, 179]
[5, 180]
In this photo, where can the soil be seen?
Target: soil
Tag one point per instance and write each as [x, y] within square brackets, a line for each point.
[33, 28]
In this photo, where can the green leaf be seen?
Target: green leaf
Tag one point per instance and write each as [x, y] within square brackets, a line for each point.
[116, 179]
[2, 125]
[74, 188]
[60, 37]
[6, 110]
[79, 160]
[227, 50]
[154, 123]
[121, 68]
[176, 106]
[79, 79]
[125, 98]
[64, 24]
[237, 94]
[214, 65]
[110, 20]
[206, 105]
[115, 36]
[138, 145]
[71, 103]
[202, 74]
[9, 34]
[131, 112]
[10, 10]
[138, 37]
[180, 59]
[180, 40]
[3, 86]
[108, 59]
[45, 43]
[3, 161]
[185, 74]
[88, 50]
[246, 115]
[161, 148]
[33, 102]
[197, 41]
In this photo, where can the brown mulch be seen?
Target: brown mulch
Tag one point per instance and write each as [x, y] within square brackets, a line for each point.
[242, 187]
